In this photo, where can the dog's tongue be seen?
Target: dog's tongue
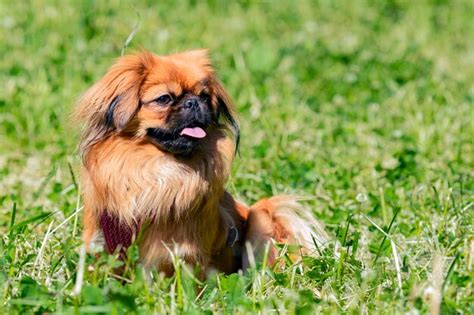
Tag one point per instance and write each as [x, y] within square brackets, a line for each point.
[195, 132]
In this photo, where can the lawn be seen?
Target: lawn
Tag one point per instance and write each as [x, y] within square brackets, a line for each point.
[365, 107]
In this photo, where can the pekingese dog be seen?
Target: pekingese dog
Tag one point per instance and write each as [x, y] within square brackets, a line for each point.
[159, 137]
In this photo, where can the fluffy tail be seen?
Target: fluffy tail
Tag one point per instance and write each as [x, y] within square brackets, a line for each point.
[281, 219]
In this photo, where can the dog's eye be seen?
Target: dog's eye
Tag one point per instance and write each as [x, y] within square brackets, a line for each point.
[164, 99]
[205, 97]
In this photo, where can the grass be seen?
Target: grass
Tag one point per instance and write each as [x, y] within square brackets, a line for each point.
[367, 107]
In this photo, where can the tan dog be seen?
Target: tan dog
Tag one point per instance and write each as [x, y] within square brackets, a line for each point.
[160, 134]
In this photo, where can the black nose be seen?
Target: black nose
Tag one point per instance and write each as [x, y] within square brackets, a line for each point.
[191, 103]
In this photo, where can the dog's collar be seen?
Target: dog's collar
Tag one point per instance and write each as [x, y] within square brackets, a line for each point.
[117, 235]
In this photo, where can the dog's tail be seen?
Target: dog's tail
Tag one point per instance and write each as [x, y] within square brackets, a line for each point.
[281, 219]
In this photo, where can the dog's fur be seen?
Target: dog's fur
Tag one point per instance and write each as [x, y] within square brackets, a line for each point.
[138, 170]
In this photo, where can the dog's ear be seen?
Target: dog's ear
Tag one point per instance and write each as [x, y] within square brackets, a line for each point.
[225, 110]
[112, 101]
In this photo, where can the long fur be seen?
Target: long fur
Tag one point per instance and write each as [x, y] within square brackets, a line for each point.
[282, 219]
[182, 200]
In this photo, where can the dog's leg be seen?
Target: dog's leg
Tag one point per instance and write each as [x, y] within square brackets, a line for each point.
[280, 219]
[259, 234]
[91, 228]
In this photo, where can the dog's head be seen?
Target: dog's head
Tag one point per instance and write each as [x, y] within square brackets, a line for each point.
[172, 101]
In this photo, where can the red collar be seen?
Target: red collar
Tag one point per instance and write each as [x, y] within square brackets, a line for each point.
[117, 234]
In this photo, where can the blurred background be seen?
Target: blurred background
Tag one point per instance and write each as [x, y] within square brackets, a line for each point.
[367, 106]
[339, 89]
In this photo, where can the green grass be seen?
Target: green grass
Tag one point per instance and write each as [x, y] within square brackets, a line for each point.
[366, 106]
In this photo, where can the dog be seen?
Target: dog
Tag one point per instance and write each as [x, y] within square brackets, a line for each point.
[159, 137]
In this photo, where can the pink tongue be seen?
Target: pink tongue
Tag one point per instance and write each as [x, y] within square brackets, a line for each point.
[195, 132]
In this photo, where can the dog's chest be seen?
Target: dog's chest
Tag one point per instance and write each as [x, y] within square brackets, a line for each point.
[161, 189]
[173, 202]
[175, 198]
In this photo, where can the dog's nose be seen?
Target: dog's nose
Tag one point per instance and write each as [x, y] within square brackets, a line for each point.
[191, 103]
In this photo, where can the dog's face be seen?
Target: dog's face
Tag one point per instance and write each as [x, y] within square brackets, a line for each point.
[175, 101]
[179, 105]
